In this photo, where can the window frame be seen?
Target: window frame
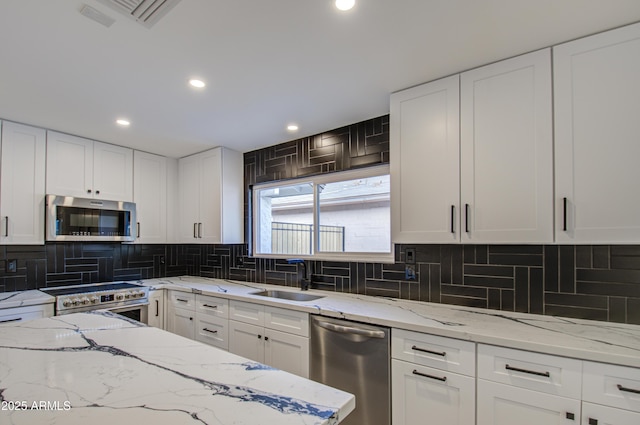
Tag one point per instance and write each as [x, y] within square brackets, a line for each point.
[316, 180]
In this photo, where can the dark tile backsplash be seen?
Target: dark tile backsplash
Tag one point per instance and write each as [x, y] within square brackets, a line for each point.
[598, 282]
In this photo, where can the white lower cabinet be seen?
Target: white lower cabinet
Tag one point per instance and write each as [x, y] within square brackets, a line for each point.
[432, 377]
[199, 317]
[156, 308]
[516, 386]
[500, 404]
[420, 392]
[22, 314]
[610, 394]
[274, 336]
[595, 414]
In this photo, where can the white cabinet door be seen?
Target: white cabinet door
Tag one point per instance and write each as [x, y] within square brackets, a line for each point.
[425, 157]
[150, 196]
[182, 322]
[595, 414]
[156, 308]
[112, 172]
[22, 182]
[500, 404]
[420, 392]
[189, 194]
[210, 223]
[211, 193]
[69, 165]
[246, 340]
[596, 100]
[87, 169]
[212, 330]
[287, 352]
[506, 150]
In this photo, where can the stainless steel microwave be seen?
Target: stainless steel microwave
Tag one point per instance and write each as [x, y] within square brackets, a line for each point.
[81, 219]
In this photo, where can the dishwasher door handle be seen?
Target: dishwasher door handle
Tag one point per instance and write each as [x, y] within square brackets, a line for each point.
[351, 330]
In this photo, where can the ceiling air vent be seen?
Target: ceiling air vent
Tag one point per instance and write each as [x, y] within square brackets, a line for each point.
[145, 12]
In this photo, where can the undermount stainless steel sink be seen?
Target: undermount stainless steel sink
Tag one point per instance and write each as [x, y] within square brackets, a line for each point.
[286, 295]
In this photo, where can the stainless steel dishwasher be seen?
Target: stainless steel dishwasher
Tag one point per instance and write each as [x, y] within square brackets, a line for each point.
[354, 357]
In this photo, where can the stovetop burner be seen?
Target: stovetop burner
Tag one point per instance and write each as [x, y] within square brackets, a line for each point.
[84, 289]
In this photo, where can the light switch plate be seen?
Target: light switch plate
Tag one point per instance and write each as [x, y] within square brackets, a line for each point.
[410, 256]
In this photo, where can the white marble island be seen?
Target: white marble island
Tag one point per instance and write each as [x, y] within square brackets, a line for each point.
[100, 368]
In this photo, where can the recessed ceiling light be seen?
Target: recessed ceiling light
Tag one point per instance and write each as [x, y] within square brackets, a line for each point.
[197, 83]
[123, 122]
[292, 127]
[345, 4]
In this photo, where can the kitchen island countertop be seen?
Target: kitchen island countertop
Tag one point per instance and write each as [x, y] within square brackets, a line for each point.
[101, 368]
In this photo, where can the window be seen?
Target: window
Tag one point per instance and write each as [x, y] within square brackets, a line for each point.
[330, 216]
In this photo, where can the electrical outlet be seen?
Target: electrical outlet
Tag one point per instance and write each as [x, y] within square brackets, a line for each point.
[12, 266]
[409, 273]
[162, 261]
[410, 256]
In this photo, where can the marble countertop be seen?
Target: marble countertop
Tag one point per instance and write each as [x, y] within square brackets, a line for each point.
[24, 298]
[583, 339]
[101, 368]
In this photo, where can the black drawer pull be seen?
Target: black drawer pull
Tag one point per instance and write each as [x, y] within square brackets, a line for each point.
[628, 390]
[453, 218]
[209, 306]
[210, 331]
[564, 214]
[571, 416]
[181, 300]
[530, 372]
[593, 421]
[437, 378]
[11, 320]
[424, 350]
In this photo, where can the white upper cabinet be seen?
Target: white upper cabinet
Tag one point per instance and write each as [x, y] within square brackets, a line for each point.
[84, 168]
[506, 147]
[597, 99]
[22, 184]
[472, 156]
[425, 158]
[150, 196]
[211, 197]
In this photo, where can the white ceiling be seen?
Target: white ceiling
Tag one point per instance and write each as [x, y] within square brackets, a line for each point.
[267, 63]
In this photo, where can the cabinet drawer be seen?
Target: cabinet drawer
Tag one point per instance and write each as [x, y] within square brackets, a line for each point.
[22, 314]
[247, 312]
[213, 331]
[293, 322]
[499, 404]
[183, 300]
[212, 306]
[448, 354]
[539, 372]
[616, 386]
[595, 414]
[420, 392]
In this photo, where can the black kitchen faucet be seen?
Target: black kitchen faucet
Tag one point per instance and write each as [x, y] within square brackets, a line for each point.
[304, 283]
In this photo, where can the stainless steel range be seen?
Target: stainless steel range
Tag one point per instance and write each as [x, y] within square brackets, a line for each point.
[125, 298]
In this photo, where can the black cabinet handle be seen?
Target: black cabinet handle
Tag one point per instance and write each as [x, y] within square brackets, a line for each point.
[157, 308]
[209, 306]
[6, 226]
[424, 350]
[138, 230]
[593, 421]
[259, 336]
[530, 372]
[190, 318]
[466, 218]
[210, 331]
[97, 192]
[195, 230]
[200, 230]
[88, 190]
[564, 214]
[571, 416]
[627, 390]
[453, 218]
[438, 378]
[11, 320]
[181, 300]
[266, 338]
